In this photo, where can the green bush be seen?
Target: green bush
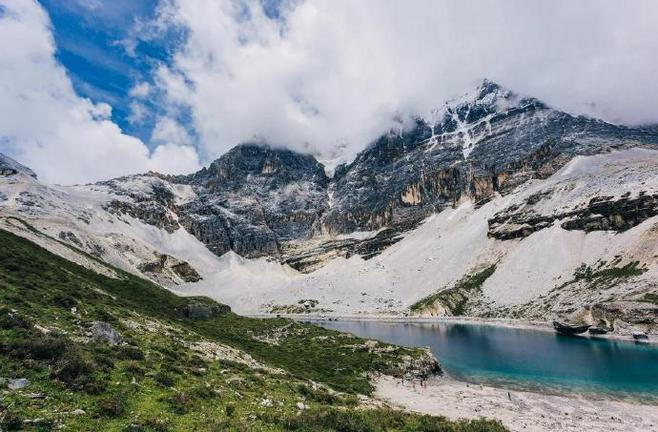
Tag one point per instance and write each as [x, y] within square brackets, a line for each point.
[11, 421]
[164, 379]
[75, 370]
[134, 368]
[111, 407]
[151, 424]
[129, 352]
[11, 320]
[203, 392]
[44, 346]
[180, 403]
[320, 395]
[64, 300]
[330, 420]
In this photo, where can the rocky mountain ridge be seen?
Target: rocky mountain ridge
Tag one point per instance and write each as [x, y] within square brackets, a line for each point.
[261, 201]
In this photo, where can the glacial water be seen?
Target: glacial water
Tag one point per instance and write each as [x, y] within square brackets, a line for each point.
[526, 359]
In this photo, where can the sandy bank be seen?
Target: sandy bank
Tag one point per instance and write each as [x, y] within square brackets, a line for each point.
[520, 411]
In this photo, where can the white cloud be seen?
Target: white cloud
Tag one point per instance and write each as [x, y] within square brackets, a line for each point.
[138, 112]
[174, 158]
[47, 126]
[168, 131]
[140, 90]
[338, 71]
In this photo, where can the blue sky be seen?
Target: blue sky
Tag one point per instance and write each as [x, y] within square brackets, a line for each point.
[89, 36]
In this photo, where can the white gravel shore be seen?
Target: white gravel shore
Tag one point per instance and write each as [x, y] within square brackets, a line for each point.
[519, 411]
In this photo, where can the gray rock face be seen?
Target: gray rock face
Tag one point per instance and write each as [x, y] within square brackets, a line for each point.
[8, 167]
[260, 201]
[152, 213]
[68, 236]
[254, 198]
[600, 214]
[166, 263]
[104, 332]
[480, 146]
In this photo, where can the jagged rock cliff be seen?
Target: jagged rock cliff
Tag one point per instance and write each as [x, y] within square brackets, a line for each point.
[261, 201]
[486, 143]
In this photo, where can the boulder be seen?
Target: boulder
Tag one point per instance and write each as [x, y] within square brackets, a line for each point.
[17, 384]
[104, 332]
[202, 311]
[570, 329]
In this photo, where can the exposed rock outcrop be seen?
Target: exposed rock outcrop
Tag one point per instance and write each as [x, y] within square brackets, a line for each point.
[18, 383]
[602, 213]
[148, 212]
[170, 267]
[9, 167]
[69, 237]
[570, 329]
[421, 367]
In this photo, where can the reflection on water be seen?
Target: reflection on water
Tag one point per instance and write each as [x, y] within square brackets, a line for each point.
[523, 358]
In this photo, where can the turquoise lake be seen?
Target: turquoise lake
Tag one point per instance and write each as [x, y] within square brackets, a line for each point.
[525, 359]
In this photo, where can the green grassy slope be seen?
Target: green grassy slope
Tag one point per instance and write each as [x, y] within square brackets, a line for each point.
[155, 380]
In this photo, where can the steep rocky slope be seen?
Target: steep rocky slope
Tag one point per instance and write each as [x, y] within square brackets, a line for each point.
[494, 180]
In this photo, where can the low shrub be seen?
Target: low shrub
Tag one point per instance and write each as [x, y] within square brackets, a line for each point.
[319, 395]
[203, 392]
[332, 419]
[76, 370]
[129, 352]
[134, 368]
[111, 407]
[11, 320]
[151, 424]
[164, 379]
[180, 403]
[44, 346]
[11, 421]
[63, 300]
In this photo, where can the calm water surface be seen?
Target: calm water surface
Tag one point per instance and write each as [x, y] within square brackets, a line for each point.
[530, 359]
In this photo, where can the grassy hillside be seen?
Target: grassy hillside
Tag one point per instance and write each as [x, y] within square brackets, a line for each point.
[181, 364]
